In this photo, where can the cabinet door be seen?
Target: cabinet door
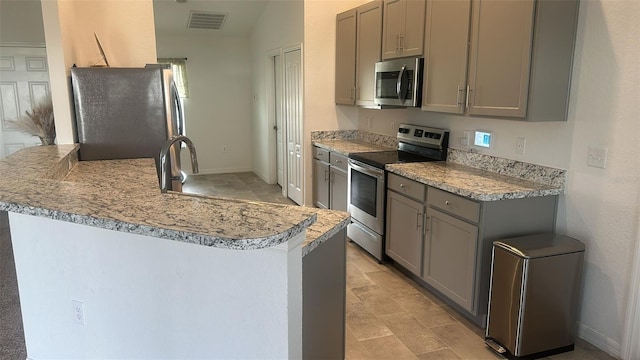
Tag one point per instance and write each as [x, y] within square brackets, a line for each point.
[450, 257]
[501, 33]
[412, 35]
[404, 231]
[392, 24]
[338, 193]
[369, 44]
[346, 57]
[321, 184]
[446, 51]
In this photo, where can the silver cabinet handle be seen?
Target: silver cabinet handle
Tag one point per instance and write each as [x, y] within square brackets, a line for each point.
[426, 223]
[338, 161]
[326, 175]
[466, 100]
[458, 95]
[418, 218]
[401, 185]
[447, 202]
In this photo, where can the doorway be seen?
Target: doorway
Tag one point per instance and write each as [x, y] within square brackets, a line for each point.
[286, 114]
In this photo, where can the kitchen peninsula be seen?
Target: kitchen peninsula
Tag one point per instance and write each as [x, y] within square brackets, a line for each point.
[108, 267]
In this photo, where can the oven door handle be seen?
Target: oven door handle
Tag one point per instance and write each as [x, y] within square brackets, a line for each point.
[365, 169]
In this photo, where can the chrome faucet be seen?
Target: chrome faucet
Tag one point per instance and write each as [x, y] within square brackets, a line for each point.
[163, 159]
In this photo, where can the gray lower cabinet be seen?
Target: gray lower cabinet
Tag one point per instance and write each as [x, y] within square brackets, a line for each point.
[451, 241]
[321, 184]
[404, 231]
[449, 249]
[329, 179]
[323, 300]
[338, 189]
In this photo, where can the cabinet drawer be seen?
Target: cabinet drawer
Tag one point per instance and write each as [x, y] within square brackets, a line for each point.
[338, 160]
[321, 154]
[454, 204]
[407, 187]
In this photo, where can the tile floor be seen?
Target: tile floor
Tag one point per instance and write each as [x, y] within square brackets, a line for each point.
[389, 316]
[245, 185]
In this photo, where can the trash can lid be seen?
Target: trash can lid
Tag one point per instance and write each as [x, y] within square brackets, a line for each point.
[540, 245]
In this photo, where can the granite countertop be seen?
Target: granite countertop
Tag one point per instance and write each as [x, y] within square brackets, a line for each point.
[347, 146]
[108, 194]
[472, 183]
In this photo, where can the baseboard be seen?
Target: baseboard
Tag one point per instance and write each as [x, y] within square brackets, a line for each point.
[600, 341]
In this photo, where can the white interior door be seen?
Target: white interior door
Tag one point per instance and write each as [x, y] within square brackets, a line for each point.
[277, 70]
[24, 80]
[293, 119]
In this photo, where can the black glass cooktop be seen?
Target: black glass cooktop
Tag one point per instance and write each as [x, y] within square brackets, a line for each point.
[379, 159]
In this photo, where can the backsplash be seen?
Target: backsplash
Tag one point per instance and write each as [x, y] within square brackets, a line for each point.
[371, 138]
[513, 168]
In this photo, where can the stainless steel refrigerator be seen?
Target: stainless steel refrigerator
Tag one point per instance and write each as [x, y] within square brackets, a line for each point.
[126, 113]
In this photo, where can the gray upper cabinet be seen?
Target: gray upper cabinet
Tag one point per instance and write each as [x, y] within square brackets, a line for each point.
[518, 60]
[500, 56]
[446, 49]
[369, 44]
[403, 28]
[345, 57]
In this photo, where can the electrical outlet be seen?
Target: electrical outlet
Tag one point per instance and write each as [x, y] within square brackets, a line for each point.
[464, 140]
[521, 143]
[78, 312]
[393, 127]
[597, 157]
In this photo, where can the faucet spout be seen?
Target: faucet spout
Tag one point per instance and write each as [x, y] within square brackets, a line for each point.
[164, 152]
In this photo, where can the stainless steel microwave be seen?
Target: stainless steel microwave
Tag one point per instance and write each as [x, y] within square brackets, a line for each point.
[399, 82]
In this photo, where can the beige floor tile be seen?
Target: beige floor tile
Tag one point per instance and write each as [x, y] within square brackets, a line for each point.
[445, 354]
[363, 324]
[424, 310]
[388, 348]
[351, 297]
[356, 279]
[377, 300]
[364, 262]
[391, 282]
[354, 349]
[412, 333]
[464, 342]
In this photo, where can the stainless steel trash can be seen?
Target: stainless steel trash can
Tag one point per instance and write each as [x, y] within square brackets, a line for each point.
[535, 284]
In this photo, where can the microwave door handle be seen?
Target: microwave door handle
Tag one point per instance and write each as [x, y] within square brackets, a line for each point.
[402, 86]
[399, 83]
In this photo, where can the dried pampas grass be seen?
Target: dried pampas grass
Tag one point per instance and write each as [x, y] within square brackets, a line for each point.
[39, 122]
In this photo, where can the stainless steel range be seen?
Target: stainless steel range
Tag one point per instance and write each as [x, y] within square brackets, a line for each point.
[367, 181]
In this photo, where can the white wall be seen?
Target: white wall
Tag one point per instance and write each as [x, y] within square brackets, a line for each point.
[280, 26]
[218, 111]
[150, 298]
[21, 21]
[126, 31]
[600, 207]
[320, 111]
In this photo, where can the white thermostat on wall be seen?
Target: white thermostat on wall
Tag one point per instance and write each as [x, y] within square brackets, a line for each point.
[482, 139]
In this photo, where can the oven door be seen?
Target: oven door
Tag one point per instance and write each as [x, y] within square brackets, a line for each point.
[366, 195]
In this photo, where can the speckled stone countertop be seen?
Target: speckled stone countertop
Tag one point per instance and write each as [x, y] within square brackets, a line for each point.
[473, 183]
[109, 195]
[347, 146]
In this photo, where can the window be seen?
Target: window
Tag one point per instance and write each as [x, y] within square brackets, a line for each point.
[179, 69]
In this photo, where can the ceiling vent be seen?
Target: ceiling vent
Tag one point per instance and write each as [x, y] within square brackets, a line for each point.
[204, 20]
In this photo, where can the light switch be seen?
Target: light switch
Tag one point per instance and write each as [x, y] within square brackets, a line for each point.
[597, 157]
